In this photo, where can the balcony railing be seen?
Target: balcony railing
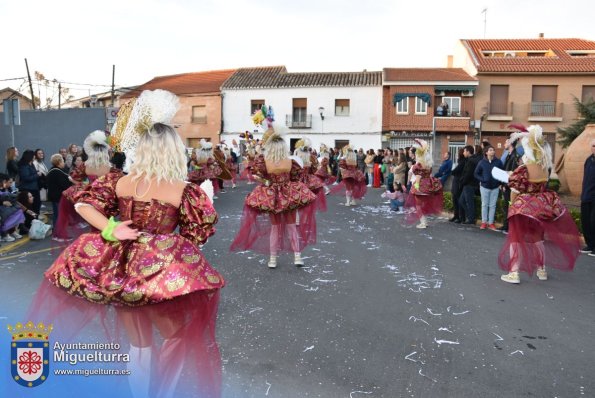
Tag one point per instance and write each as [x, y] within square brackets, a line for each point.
[298, 122]
[545, 109]
[500, 108]
[452, 113]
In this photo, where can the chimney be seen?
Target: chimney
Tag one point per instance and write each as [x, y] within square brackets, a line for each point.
[541, 35]
[449, 61]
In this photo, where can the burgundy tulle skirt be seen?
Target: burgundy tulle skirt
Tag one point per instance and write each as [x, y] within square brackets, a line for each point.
[358, 189]
[268, 233]
[423, 205]
[246, 174]
[320, 201]
[180, 355]
[533, 243]
[69, 224]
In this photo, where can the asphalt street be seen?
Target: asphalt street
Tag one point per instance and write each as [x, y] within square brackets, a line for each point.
[381, 310]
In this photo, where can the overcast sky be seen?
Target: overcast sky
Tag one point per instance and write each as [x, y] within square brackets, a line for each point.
[79, 41]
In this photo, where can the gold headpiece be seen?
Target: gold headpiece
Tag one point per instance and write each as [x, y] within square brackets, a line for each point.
[30, 331]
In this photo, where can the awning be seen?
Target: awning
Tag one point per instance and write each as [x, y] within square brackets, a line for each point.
[423, 96]
[455, 88]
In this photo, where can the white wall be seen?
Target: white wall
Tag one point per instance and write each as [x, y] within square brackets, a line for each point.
[362, 127]
[462, 59]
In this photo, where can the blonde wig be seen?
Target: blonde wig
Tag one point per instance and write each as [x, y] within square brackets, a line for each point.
[160, 154]
[423, 156]
[302, 150]
[537, 149]
[97, 150]
[275, 148]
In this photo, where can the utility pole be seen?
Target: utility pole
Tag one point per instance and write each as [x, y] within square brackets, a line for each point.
[59, 95]
[485, 20]
[30, 85]
[113, 79]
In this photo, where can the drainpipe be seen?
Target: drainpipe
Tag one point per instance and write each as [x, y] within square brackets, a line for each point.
[222, 126]
[433, 140]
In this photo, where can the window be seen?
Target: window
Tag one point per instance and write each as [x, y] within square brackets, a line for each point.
[498, 100]
[199, 114]
[543, 101]
[341, 107]
[588, 94]
[454, 105]
[255, 105]
[403, 106]
[299, 110]
[421, 107]
[341, 143]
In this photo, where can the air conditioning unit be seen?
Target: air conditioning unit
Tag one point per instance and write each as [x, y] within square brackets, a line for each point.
[509, 54]
[440, 93]
[467, 93]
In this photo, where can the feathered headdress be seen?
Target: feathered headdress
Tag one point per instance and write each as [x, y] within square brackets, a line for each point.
[264, 117]
[95, 141]
[323, 148]
[537, 149]
[303, 145]
[422, 153]
[138, 116]
[346, 149]
[270, 135]
[205, 145]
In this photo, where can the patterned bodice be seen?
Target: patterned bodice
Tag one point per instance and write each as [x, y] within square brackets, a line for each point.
[154, 217]
[419, 170]
[519, 181]
[260, 169]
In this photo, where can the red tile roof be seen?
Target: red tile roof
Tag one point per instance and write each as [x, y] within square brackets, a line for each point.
[426, 74]
[186, 83]
[560, 62]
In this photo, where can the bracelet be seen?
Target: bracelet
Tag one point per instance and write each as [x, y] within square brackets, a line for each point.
[108, 231]
[416, 185]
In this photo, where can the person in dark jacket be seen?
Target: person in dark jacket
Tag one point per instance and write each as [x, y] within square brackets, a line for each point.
[29, 177]
[456, 189]
[588, 203]
[12, 167]
[510, 159]
[469, 184]
[58, 181]
[445, 168]
[489, 187]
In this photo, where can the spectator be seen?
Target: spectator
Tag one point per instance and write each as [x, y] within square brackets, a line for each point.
[469, 184]
[28, 178]
[10, 213]
[378, 178]
[588, 203]
[64, 153]
[361, 160]
[396, 197]
[12, 168]
[25, 199]
[456, 189]
[445, 169]
[370, 166]
[400, 169]
[489, 187]
[58, 181]
[42, 171]
[510, 160]
[70, 154]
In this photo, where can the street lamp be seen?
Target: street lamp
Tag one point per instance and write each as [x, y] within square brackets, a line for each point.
[321, 111]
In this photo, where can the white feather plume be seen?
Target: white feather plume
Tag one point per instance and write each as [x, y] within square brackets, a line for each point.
[207, 187]
[95, 138]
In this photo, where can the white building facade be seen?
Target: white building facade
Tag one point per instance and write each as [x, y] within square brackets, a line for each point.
[334, 109]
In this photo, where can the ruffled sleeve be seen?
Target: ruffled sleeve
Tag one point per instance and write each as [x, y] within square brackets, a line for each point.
[519, 180]
[197, 215]
[101, 194]
[296, 171]
[259, 167]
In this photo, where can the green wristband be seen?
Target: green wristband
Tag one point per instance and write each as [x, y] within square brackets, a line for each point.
[108, 231]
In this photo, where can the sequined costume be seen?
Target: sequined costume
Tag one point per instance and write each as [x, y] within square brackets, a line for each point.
[164, 293]
[352, 179]
[315, 185]
[541, 230]
[425, 199]
[323, 172]
[272, 205]
[205, 171]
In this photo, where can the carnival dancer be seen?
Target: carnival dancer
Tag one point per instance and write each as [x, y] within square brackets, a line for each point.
[269, 219]
[540, 228]
[324, 170]
[225, 175]
[206, 168]
[95, 146]
[352, 178]
[303, 152]
[230, 164]
[163, 291]
[426, 196]
[249, 154]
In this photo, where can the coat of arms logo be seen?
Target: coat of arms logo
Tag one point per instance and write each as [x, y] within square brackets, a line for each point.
[30, 353]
